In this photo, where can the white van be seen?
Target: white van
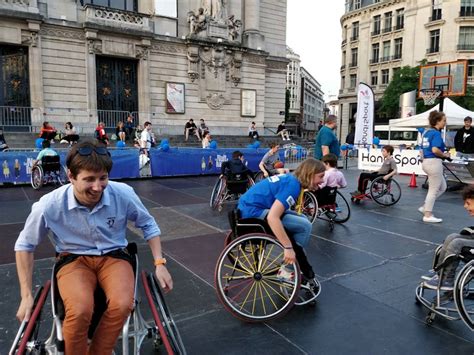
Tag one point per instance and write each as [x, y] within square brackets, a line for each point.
[398, 135]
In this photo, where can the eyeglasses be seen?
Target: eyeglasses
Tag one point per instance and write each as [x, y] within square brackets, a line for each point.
[85, 151]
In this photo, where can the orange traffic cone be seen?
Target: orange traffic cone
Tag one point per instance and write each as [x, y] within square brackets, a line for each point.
[412, 181]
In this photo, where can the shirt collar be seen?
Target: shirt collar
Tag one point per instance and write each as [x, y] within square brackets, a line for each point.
[72, 202]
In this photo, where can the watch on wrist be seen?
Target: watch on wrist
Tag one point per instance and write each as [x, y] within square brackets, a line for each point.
[160, 261]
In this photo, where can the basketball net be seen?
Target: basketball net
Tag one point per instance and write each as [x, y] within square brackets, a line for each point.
[429, 96]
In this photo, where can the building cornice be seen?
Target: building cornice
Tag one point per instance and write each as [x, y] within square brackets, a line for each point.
[368, 9]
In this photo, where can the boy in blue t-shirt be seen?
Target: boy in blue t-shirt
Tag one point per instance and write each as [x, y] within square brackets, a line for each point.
[272, 199]
[46, 151]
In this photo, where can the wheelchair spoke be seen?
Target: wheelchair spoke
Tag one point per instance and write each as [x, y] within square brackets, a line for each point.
[259, 284]
[252, 267]
[235, 268]
[253, 288]
[284, 297]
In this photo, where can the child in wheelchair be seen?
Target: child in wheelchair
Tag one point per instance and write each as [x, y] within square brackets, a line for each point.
[270, 164]
[236, 173]
[47, 151]
[452, 245]
[333, 179]
[272, 199]
[387, 170]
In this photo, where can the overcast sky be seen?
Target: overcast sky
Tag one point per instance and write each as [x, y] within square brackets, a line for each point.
[314, 32]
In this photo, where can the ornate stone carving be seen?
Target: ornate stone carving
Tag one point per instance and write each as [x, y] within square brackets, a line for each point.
[60, 33]
[235, 70]
[17, 2]
[193, 62]
[215, 58]
[29, 38]
[234, 27]
[256, 59]
[94, 46]
[169, 48]
[141, 52]
[215, 100]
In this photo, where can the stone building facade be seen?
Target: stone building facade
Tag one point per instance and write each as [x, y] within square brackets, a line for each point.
[379, 37]
[99, 60]
[312, 101]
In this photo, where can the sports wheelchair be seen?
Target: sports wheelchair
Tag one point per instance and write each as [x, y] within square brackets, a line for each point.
[229, 188]
[454, 304]
[247, 273]
[327, 204]
[162, 331]
[49, 171]
[383, 192]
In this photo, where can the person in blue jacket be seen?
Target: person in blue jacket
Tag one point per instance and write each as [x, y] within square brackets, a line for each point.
[433, 151]
[272, 199]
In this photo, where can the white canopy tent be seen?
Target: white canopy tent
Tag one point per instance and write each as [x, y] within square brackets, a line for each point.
[455, 115]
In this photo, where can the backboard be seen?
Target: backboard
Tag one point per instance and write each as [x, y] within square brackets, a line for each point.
[448, 77]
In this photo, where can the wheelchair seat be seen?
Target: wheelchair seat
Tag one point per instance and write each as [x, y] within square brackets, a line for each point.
[326, 196]
[241, 226]
[237, 183]
[50, 163]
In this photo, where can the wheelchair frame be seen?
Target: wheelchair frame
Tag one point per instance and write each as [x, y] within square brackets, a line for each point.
[42, 174]
[332, 212]
[451, 305]
[163, 331]
[221, 193]
[246, 275]
[378, 192]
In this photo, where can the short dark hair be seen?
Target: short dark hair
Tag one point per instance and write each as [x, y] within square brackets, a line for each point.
[467, 118]
[93, 162]
[273, 144]
[237, 154]
[435, 117]
[331, 159]
[388, 148]
[468, 192]
[147, 123]
[330, 118]
[191, 120]
[45, 144]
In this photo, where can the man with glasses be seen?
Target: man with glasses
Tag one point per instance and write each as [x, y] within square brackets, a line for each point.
[88, 222]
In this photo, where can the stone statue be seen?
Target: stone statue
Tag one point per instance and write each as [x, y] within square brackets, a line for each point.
[197, 21]
[234, 28]
[215, 8]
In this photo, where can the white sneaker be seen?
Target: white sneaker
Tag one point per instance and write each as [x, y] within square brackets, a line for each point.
[432, 219]
[421, 209]
[63, 141]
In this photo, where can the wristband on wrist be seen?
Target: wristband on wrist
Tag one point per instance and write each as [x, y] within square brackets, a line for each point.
[160, 261]
[288, 247]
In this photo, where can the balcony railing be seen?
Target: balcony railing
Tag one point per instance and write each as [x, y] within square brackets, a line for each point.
[343, 67]
[375, 33]
[465, 47]
[398, 27]
[435, 17]
[354, 38]
[374, 60]
[397, 56]
[106, 16]
[385, 59]
[344, 41]
[112, 118]
[432, 50]
[15, 118]
[387, 29]
[352, 65]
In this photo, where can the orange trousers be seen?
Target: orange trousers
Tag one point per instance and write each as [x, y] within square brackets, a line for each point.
[77, 282]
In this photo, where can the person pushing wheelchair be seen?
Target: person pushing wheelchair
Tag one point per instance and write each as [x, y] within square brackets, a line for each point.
[272, 198]
[88, 220]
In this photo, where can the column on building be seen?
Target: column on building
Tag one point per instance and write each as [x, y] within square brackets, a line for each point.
[144, 101]
[35, 73]
[92, 47]
[252, 38]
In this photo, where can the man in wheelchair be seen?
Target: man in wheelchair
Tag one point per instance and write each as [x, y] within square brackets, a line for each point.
[236, 173]
[387, 170]
[88, 220]
[452, 245]
[272, 198]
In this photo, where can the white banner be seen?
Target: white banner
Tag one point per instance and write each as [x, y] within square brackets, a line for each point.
[364, 129]
[408, 160]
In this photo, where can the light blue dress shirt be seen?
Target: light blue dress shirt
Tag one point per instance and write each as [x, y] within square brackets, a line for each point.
[78, 230]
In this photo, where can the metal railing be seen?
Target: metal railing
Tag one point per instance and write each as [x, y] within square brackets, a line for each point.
[432, 50]
[387, 29]
[398, 27]
[465, 47]
[15, 118]
[374, 60]
[354, 38]
[111, 118]
[466, 12]
[375, 33]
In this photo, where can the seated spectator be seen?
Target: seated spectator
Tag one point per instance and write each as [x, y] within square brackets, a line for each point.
[129, 128]
[202, 128]
[267, 164]
[3, 142]
[235, 166]
[206, 141]
[48, 132]
[100, 133]
[283, 132]
[191, 129]
[253, 131]
[332, 176]
[120, 131]
[70, 134]
[46, 151]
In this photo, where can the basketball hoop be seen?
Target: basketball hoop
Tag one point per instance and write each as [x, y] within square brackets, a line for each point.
[429, 96]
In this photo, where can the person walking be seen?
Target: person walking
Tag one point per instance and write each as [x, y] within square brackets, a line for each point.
[464, 139]
[433, 153]
[326, 140]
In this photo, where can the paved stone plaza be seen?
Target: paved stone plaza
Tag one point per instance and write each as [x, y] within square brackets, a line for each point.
[369, 269]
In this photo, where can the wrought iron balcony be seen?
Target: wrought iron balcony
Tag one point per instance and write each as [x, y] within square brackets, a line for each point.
[397, 56]
[375, 33]
[465, 47]
[374, 60]
[399, 26]
[354, 38]
[385, 59]
[387, 29]
[432, 50]
[352, 65]
[466, 12]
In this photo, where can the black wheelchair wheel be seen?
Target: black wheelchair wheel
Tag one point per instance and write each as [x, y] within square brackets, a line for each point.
[217, 194]
[340, 212]
[61, 176]
[385, 193]
[310, 206]
[248, 280]
[37, 177]
[167, 329]
[464, 294]
[28, 334]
